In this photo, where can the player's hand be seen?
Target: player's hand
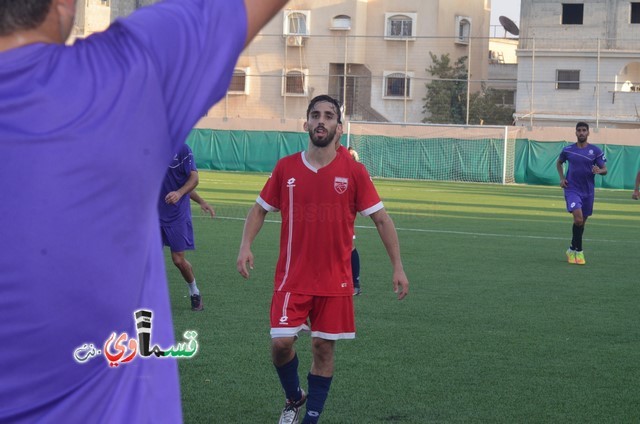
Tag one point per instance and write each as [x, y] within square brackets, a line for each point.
[400, 284]
[207, 209]
[595, 169]
[564, 183]
[172, 197]
[244, 256]
[635, 195]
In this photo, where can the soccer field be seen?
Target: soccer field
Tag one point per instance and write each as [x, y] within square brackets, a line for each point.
[497, 327]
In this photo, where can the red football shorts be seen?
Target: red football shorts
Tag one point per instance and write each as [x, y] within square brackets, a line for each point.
[327, 317]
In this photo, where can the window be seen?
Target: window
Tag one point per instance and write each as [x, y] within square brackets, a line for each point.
[341, 23]
[295, 83]
[296, 22]
[507, 97]
[572, 14]
[463, 29]
[400, 25]
[635, 13]
[397, 85]
[567, 79]
[239, 82]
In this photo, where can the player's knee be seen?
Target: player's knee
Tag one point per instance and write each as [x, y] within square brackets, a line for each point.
[281, 345]
[579, 221]
[179, 261]
[323, 349]
[281, 350]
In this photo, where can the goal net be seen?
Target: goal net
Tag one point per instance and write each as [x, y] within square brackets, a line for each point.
[470, 153]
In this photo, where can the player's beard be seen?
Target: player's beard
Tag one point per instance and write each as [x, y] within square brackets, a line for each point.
[322, 142]
[582, 139]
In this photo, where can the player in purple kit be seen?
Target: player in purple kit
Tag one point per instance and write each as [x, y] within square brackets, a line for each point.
[86, 134]
[585, 162]
[175, 216]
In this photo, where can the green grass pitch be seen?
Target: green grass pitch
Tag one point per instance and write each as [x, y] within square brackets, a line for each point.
[497, 327]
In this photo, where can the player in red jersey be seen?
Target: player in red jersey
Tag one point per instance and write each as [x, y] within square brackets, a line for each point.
[318, 193]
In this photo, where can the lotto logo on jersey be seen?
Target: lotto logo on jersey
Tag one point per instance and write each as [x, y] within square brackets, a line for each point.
[291, 182]
[340, 184]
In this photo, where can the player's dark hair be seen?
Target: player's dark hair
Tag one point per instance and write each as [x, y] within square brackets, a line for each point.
[18, 15]
[325, 98]
[582, 124]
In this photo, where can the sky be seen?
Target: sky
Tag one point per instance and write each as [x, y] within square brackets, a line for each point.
[508, 8]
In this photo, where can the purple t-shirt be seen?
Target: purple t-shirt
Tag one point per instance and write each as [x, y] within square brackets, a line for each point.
[86, 135]
[580, 176]
[177, 175]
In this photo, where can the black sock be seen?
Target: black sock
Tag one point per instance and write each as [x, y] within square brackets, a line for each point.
[576, 241]
[355, 268]
[579, 246]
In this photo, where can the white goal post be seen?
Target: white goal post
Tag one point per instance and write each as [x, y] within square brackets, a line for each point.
[471, 153]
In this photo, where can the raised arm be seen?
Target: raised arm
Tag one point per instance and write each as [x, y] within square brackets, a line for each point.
[259, 12]
[252, 227]
[389, 236]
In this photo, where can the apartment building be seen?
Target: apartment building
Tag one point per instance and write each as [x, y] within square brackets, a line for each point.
[579, 61]
[372, 55]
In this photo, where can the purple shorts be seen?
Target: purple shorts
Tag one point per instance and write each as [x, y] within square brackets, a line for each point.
[577, 201]
[178, 236]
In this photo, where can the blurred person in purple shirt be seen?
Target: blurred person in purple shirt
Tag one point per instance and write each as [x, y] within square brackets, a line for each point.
[175, 216]
[86, 134]
[585, 162]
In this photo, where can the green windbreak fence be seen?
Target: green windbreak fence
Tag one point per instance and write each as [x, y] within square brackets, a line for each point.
[533, 161]
[536, 164]
[243, 150]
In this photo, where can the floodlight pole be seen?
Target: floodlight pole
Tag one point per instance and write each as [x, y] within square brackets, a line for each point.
[283, 82]
[344, 77]
[468, 77]
[406, 79]
[598, 89]
[533, 81]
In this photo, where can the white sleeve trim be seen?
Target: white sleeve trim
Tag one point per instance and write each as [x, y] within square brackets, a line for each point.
[372, 209]
[266, 206]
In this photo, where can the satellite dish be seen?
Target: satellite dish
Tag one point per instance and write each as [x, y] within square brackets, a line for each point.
[509, 25]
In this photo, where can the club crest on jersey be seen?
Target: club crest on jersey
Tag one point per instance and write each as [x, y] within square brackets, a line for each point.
[340, 184]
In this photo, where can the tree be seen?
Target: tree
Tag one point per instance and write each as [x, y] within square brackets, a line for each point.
[487, 107]
[445, 101]
[446, 98]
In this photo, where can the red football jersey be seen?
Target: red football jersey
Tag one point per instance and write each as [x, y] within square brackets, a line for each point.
[318, 208]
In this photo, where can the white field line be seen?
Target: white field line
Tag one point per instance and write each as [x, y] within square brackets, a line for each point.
[464, 233]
